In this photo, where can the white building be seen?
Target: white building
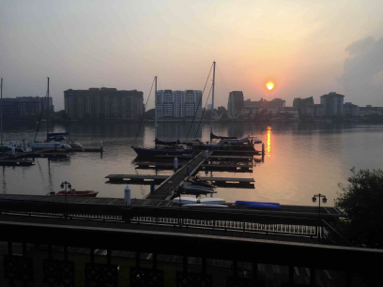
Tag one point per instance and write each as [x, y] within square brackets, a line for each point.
[313, 110]
[178, 104]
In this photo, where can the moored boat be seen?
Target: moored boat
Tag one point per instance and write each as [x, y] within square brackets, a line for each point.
[189, 188]
[73, 192]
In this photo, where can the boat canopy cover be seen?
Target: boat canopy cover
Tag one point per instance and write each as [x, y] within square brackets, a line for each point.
[55, 135]
[213, 136]
[269, 205]
[157, 141]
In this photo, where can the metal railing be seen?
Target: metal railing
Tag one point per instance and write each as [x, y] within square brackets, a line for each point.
[352, 264]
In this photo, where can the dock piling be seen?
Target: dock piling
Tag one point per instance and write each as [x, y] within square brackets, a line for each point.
[152, 186]
[127, 195]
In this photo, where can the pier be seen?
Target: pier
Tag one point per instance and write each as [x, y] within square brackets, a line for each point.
[167, 188]
[146, 179]
[135, 178]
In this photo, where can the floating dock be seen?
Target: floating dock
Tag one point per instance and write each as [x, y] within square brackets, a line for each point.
[236, 158]
[16, 162]
[157, 165]
[228, 167]
[146, 179]
[135, 178]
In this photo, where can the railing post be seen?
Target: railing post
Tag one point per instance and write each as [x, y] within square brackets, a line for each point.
[255, 271]
[185, 264]
[312, 276]
[291, 274]
[154, 261]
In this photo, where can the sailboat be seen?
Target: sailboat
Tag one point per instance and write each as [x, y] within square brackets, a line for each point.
[230, 143]
[54, 139]
[161, 147]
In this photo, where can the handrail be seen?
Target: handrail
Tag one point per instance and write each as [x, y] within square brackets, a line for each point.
[198, 245]
[343, 240]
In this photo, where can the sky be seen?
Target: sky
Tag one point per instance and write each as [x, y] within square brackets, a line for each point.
[308, 48]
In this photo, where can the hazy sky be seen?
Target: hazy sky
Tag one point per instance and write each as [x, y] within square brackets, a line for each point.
[309, 48]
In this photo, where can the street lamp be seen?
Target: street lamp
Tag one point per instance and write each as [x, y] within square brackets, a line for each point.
[324, 200]
[66, 184]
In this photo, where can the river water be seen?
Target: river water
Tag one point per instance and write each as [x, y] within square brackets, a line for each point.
[301, 159]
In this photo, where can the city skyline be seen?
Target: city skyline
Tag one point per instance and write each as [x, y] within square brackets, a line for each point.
[306, 49]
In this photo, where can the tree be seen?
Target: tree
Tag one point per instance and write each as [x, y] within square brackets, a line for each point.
[362, 203]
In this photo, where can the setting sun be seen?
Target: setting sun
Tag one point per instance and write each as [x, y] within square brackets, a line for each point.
[270, 85]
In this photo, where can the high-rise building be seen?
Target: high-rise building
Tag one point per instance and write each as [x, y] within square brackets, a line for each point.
[178, 104]
[235, 104]
[332, 104]
[26, 107]
[103, 104]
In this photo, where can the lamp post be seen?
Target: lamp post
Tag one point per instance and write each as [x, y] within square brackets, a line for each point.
[314, 199]
[66, 184]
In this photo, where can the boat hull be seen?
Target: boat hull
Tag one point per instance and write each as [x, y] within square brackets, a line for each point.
[53, 145]
[86, 193]
[149, 152]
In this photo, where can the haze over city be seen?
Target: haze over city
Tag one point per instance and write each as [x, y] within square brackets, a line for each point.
[307, 48]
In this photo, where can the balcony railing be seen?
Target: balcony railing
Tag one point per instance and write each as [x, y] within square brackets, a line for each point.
[23, 264]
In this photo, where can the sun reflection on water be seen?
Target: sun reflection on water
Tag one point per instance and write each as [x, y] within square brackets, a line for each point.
[268, 146]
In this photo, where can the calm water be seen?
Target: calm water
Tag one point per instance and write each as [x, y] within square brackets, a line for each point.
[301, 159]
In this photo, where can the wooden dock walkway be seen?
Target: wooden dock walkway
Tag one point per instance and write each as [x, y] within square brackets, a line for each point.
[146, 179]
[138, 178]
[238, 158]
[15, 162]
[172, 183]
[228, 167]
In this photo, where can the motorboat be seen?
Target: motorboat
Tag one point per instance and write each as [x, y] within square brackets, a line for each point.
[202, 182]
[204, 202]
[190, 188]
[205, 205]
[50, 144]
[184, 200]
[73, 192]
[208, 202]
[216, 201]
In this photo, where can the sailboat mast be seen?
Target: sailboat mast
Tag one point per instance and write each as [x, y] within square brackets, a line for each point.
[1, 109]
[48, 108]
[155, 110]
[212, 104]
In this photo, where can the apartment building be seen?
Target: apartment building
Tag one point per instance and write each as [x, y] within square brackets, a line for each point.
[332, 104]
[178, 104]
[103, 103]
[26, 107]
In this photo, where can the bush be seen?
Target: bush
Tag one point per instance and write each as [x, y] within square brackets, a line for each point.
[362, 203]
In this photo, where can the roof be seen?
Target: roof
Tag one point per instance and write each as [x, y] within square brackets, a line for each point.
[332, 95]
